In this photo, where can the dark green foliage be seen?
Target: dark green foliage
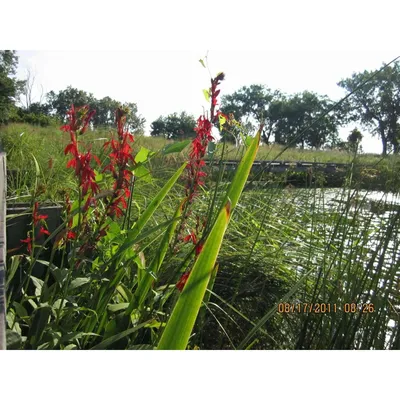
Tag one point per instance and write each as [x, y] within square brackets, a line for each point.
[253, 106]
[10, 87]
[354, 140]
[36, 115]
[296, 114]
[174, 126]
[377, 104]
[285, 117]
[59, 103]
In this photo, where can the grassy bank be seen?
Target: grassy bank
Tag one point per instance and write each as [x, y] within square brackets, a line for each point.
[26, 144]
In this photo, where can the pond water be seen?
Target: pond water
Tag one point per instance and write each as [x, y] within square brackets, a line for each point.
[353, 237]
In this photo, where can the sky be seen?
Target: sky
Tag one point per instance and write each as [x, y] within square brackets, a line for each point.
[148, 52]
[163, 82]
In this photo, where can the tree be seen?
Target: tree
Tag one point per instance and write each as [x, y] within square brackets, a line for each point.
[158, 127]
[134, 121]
[292, 115]
[252, 105]
[26, 98]
[354, 140]
[376, 105]
[174, 126]
[10, 87]
[61, 102]
[105, 111]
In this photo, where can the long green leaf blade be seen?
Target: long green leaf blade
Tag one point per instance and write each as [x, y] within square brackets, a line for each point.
[145, 283]
[141, 222]
[184, 314]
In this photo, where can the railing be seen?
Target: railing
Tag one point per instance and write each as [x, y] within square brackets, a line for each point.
[282, 166]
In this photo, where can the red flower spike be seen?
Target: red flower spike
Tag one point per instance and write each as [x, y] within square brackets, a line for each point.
[79, 119]
[35, 216]
[120, 156]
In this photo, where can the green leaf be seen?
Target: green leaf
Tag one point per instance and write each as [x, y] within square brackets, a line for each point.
[211, 149]
[39, 323]
[72, 336]
[180, 324]
[248, 140]
[117, 307]
[143, 155]
[20, 310]
[145, 283]
[176, 147]
[210, 286]
[141, 172]
[243, 171]
[98, 176]
[37, 168]
[15, 261]
[107, 342]
[202, 63]
[75, 213]
[78, 282]
[152, 207]
[206, 93]
[113, 230]
[124, 292]
[38, 284]
[59, 304]
[13, 340]
[59, 274]
[141, 347]
[222, 121]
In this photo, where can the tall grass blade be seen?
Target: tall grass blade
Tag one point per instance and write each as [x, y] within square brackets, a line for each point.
[145, 284]
[184, 314]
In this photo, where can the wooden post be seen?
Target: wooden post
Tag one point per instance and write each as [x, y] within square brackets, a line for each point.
[3, 249]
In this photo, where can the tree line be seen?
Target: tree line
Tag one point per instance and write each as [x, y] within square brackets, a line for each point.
[16, 104]
[300, 119]
[303, 119]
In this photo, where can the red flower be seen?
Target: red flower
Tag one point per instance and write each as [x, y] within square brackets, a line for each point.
[182, 281]
[36, 216]
[195, 172]
[28, 242]
[71, 235]
[79, 119]
[191, 237]
[120, 156]
[44, 231]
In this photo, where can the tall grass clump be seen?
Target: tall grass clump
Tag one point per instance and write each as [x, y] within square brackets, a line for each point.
[118, 263]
